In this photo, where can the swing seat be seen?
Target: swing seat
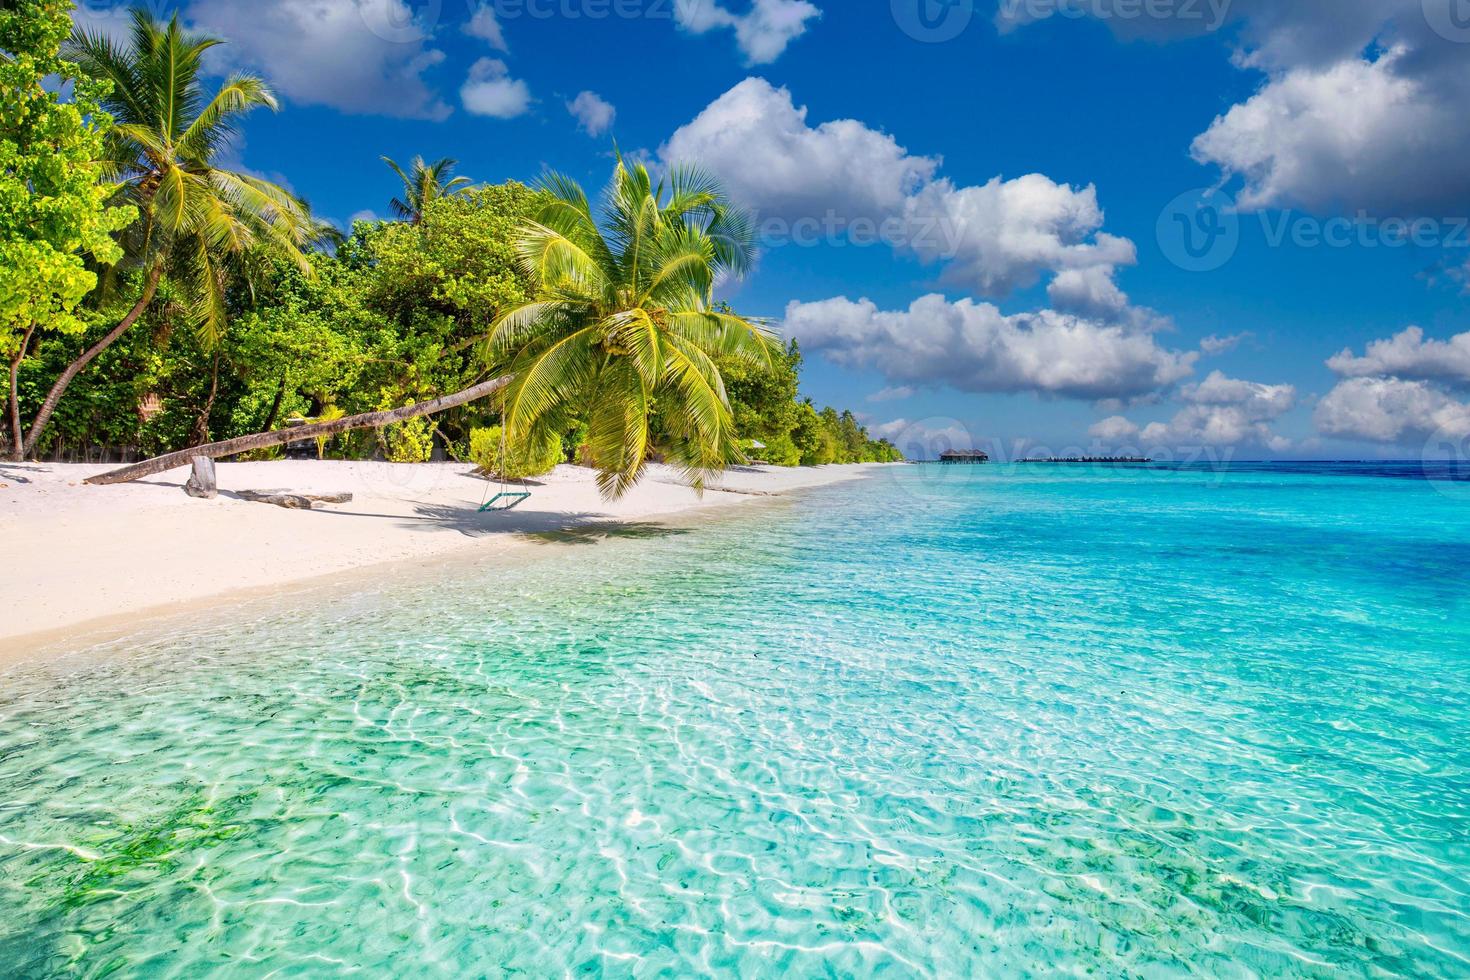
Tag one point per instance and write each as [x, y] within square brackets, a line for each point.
[505, 501]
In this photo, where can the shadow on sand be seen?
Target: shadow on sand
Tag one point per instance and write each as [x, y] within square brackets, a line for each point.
[598, 533]
[17, 473]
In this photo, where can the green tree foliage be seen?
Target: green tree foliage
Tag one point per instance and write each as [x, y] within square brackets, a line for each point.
[54, 215]
[201, 226]
[623, 331]
[398, 315]
[423, 184]
[459, 263]
[766, 409]
[200, 221]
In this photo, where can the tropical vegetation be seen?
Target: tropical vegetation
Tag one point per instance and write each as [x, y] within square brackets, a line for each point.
[171, 301]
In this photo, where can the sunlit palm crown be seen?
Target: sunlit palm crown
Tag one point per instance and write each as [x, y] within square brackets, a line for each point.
[624, 330]
[423, 184]
[197, 219]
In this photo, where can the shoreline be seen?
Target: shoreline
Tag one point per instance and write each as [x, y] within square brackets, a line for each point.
[91, 564]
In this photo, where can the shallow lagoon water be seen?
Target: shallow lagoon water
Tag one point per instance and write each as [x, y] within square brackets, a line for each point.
[946, 721]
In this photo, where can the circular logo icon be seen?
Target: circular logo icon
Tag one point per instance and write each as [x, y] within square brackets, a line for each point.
[1199, 230]
[924, 442]
[400, 22]
[933, 21]
[1446, 460]
[1450, 19]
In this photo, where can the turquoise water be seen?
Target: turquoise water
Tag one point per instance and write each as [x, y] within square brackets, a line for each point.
[954, 722]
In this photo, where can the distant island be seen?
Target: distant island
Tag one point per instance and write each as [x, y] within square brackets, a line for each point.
[1090, 459]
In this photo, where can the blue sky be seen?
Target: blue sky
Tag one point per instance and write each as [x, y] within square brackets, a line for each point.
[1034, 165]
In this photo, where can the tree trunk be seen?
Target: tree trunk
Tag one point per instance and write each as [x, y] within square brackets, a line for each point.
[17, 434]
[203, 483]
[321, 430]
[38, 424]
[270, 419]
[201, 427]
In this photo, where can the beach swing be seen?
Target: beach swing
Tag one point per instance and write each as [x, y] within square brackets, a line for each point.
[506, 499]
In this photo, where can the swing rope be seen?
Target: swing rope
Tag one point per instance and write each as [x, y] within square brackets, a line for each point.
[505, 499]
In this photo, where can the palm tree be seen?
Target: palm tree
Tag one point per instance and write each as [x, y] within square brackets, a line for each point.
[198, 223]
[624, 329]
[423, 185]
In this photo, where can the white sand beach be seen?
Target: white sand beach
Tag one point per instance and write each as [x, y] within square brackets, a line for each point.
[78, 556]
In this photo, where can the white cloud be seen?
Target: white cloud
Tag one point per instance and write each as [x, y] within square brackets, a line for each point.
[991, 239]
[973, 347]
[1360, 107]
[1391, 410]
[359, 56]
[924, 438]
[762, 33]
[1408, 355]
[892, 394]
[1355, 134]
[1001, 236]
[483, 25]
[1218, 411]
[1394, 392]
[1114, 430]
[593, 113]
[1214, 344]
[1260, 401]
[758, 141]
[490, 91]
[112, 21]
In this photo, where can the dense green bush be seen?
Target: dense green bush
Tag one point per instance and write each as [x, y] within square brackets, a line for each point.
[513, 462]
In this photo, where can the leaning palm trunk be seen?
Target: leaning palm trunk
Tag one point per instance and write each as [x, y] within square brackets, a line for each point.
[322, 430]
[17, 434]
[53, 397]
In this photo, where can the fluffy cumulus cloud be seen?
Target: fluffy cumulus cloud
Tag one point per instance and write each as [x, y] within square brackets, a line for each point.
[845, 177]
[1114, 430]
[1002, 235]
[1402, 390]
[490, 91]
[1218, 411]
[359, 56]
[1360, 104]
[1359, 133]
[1391, 410]
[593, 113]
[770, 159]
[973, 347]
[1410, 356]
[762, 33]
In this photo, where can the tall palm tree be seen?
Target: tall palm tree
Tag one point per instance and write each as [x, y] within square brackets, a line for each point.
[424, 184]
[198, 222]
[624, 329]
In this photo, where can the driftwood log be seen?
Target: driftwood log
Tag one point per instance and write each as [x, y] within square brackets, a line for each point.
[320, 430]
[294, 501]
